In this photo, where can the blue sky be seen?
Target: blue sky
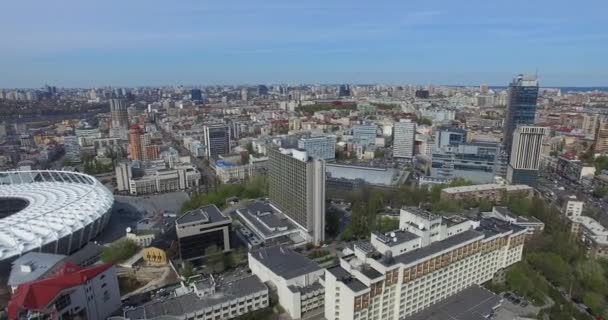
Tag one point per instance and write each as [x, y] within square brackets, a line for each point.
[82, 43]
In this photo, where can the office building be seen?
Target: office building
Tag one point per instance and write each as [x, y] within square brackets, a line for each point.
[344, 90]
[297, 188]
[477, 162]
[449, 137]
[135, 149]
[206, 299]
[524, 161]
[70, 292]
[216, 139]
[404, 133]
[364, 134]
[322, 147]
[264, 224]
[118, 113]
[428, 260]
[422, 94]
[521, 106]
[148, 180]
[199, 230]
[296, 279]
[196, 95]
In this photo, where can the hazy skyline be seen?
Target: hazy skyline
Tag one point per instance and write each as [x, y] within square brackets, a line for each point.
[135, 43]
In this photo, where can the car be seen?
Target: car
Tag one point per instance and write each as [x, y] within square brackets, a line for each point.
[507, 294]
[516, 301]
[524, 303]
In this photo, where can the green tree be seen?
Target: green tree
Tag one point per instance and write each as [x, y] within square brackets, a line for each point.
[187, 270]
[595, 302]
[119, 251]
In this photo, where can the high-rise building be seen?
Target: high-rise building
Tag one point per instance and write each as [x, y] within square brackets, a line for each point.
[344, 90]
[483, 88]
[72, 149]
[364, 134]
[196, 95]
[262, 90]
[601, 136]
[135, 150]
[404, 133]
[119, 114]
[297, 188]
[322, 147]
[521, 106]
[217, 139]
[429, 260]
[244, 92]
[525, 155]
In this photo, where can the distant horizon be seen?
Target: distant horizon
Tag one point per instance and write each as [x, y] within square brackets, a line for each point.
[300, 84]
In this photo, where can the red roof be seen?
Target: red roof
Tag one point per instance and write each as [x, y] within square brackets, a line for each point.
[37, 295]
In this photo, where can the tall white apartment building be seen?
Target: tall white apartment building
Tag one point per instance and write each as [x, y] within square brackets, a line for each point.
[322, 147]
[525, 154]
[404, 133]
[428, 259]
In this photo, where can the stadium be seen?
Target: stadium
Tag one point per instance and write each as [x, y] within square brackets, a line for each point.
[50, 211]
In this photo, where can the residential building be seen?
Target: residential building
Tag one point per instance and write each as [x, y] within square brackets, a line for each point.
[135, 150]
[200, 231]
[490, 192]
[322, 147]
[521, 106]
[569, 204]
[207, 299]
[428, 260]
[118, 114]
[601, 136]
[72, 149]
[217, 139]
[404, 133]
[296, 279]
[592, 234]
[524, 161]
[70, 292]
[297, 188]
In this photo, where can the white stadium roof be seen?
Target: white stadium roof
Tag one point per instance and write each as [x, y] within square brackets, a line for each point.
[59, 203]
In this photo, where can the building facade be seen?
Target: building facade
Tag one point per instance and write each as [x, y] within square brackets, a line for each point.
[524, 161]
[322, 147]
[429, 259]
[364, 134]
[521, 106]
[217, 139]
[490, 192]
[118, 114]
[404, 133]
[297, 188]
[201, 229]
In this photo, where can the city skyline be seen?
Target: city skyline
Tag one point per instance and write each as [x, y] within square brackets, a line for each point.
[75, 44]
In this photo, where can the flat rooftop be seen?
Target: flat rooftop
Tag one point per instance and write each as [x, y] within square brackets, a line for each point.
[472, 303]
[284, 262]
[190, 303]
[486, 187]
[265, 220]
[204, 214]
[371, 175]
[396, 237]
[345, 277]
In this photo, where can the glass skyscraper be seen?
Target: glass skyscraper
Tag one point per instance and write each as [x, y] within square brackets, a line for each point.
[521, 106]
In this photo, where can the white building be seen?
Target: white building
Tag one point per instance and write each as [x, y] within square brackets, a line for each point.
[429, 259]
[180, 177]
[295, 278]
[570, 205]
[403, 139]
[525, 154]
[72, 148]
